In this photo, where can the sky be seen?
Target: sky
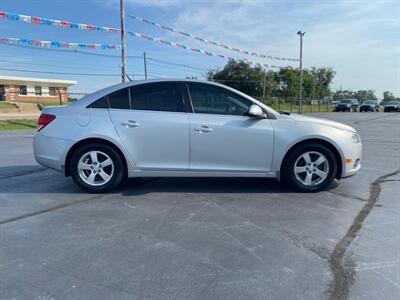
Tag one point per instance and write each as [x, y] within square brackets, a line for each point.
[360, 40]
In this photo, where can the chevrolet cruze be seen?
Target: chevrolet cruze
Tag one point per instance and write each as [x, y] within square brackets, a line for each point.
[164, 128]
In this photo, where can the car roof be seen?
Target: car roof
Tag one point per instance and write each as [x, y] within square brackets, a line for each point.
[88, 99]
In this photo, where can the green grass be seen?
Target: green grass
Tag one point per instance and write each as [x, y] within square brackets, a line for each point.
[18, 124]
[306, 108]
[50, 103]
[6, 105]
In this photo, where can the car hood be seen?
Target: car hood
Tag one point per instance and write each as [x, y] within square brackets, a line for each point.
[318, 121]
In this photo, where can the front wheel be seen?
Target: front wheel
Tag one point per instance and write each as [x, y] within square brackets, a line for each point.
[97, 168]
[309, 168]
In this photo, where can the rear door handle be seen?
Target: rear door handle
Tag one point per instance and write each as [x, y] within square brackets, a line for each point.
[130, 124]
[203, 128]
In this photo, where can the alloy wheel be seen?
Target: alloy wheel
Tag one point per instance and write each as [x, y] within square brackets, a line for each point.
[311, 168]
[95, 168]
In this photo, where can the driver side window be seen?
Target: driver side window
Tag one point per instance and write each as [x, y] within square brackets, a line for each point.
[209, 99]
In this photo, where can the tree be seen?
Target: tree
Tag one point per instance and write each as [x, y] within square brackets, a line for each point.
[322, 79]
[240, 76]
[388, 96]
[343, 94]
[282, 83]
[362, 95]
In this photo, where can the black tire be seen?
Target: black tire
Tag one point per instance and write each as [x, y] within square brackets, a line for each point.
[289, 176]
[117, 176]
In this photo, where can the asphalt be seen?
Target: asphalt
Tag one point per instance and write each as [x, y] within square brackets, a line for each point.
[182, 238]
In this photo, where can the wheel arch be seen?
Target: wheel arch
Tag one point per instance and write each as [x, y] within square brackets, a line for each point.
[92, 140]
[326, 143]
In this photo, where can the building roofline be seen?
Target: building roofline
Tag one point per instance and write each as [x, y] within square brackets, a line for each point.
[16, 79]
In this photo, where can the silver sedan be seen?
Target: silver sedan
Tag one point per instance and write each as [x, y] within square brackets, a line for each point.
[190, 128]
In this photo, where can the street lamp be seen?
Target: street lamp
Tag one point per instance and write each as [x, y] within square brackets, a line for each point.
[301, 34]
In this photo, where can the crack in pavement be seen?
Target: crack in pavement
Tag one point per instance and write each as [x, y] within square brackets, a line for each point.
[60, 206]
[342, 277]
[373, 119]
[22, 173]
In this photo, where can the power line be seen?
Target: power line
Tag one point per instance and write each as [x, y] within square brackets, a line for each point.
[176, 64]
[105, 55]
[76, 51]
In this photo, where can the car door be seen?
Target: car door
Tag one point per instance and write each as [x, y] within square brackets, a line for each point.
[222, 137]
[155, 129]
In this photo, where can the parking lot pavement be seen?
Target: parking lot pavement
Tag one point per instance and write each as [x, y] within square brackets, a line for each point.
[203, 238]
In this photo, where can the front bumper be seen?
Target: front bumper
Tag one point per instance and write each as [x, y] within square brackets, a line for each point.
[342, 108]
[50, 151]
[390, 108]
[367, 108]
[354, 152]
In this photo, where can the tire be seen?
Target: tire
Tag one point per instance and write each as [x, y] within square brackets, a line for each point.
[99, 176]
[299, 181]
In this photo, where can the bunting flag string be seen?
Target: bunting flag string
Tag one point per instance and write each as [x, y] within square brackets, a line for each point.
[90, 27]
[207, 41]
[208, 53]
[57, 44]
[52, 22]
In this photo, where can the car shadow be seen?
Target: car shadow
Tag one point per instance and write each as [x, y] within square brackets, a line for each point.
[38, 182]
[141, 186]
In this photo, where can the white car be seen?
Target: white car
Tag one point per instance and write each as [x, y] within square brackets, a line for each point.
[164, 128]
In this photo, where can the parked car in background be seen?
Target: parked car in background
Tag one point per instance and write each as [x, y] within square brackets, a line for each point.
[347, 105]
[370, 105]
[392, 106]
[189, 128]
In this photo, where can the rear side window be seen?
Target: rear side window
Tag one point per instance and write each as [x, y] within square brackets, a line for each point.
[119, 99]
[164, 96]
[100, 103]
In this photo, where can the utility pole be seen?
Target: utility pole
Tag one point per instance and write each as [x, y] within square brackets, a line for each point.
[301, 34]
[145, 65]
[123, 55]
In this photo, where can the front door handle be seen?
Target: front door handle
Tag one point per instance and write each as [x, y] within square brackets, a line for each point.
[203, 128]
[130, 124]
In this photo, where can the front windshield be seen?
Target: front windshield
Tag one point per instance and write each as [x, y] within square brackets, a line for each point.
[345, 101]
[369, 102]
[393, 103]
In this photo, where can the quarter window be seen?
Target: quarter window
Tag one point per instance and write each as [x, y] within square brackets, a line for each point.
[164, 96]
[119, 99]
[210, 99]
[100, 103]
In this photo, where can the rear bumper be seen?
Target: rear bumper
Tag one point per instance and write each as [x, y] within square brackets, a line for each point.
[50, 151]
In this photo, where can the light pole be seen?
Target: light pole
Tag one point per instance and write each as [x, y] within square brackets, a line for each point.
[123, 55]
[301, 34]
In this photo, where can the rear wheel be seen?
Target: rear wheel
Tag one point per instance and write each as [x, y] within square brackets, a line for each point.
[309, 168]
[97, 168]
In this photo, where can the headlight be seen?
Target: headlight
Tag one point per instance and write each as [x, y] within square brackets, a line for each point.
[355, 138]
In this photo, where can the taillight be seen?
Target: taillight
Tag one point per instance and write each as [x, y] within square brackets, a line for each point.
[44, 120]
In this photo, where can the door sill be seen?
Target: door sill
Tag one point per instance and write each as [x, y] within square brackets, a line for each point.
[177, 173]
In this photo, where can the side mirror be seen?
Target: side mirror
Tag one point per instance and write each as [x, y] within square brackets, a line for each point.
[256, 111]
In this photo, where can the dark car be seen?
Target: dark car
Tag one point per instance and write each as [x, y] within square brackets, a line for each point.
[347, 105]
[369, 105]
[392, 106]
